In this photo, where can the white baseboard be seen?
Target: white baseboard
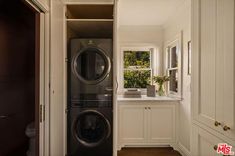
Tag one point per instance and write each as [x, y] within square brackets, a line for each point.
[183, 150]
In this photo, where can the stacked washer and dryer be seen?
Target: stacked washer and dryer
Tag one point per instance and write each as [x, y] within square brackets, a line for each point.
[90, 104]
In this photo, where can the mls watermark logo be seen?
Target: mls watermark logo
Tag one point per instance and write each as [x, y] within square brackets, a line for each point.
[225, 149]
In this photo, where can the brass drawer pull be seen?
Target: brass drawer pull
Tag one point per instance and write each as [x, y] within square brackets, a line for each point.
[217, 123]
[226, 128]
[215, 147]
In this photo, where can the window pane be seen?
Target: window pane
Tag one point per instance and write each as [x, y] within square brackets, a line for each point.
[136, 59]
[173, 80]
[174, 60]
[136, 78]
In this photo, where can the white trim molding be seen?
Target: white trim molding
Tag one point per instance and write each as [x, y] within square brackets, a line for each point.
[183, 150]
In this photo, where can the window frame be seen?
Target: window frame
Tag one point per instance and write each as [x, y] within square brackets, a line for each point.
[152, 64]
[175, 42]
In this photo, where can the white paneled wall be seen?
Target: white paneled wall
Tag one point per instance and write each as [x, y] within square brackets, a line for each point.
[181, 21]
[57, 90]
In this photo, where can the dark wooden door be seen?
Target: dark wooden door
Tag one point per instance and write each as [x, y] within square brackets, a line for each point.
[19, 76]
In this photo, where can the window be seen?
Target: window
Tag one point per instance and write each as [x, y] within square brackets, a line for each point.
[137, 68]
[172, 69]
[173, 60]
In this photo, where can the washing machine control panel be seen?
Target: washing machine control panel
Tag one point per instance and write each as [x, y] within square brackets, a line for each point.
[91, 103]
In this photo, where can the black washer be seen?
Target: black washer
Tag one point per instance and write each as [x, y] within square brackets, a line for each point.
[91, 128]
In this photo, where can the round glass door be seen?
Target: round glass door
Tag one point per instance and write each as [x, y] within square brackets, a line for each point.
[91, 128]
[91, 65]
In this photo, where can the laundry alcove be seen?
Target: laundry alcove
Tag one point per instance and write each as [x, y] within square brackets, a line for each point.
[89, 41]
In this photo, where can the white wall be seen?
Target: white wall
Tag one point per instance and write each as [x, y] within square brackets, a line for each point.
[181, 21]
[57, 111]
[139, 36]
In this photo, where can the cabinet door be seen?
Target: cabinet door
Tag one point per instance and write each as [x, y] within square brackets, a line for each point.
[213, 63]
[161, 123]
[132, 124]
[225, 106]
[204, 143]
[204, 71]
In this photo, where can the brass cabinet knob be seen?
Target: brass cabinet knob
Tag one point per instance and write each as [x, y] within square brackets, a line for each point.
[217, 123]
[225, 128]
[215, 147]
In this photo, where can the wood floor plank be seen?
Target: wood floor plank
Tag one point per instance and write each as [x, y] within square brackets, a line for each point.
[163, 151]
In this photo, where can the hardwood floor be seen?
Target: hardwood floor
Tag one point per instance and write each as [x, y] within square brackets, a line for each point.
[163, 151]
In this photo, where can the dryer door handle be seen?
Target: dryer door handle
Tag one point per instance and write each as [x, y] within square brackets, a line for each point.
[116, 84]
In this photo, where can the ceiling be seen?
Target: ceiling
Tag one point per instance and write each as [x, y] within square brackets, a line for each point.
[147, 12]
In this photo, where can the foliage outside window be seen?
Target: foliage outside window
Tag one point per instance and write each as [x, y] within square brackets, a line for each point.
[137, 69]
[172, 69]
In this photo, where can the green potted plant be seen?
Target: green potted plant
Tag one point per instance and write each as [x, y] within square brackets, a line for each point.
[160, 80]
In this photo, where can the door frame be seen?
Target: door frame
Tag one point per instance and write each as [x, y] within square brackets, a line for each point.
[42, 77]
[44, 98]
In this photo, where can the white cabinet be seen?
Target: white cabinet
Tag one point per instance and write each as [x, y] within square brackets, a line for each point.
[146, 123]
[204, 143]
[213, 105]
[213, 65]
[161, 123]
[133, 124]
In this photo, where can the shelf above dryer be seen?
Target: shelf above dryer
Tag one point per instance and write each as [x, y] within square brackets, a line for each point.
[89, 28]
[89, 12]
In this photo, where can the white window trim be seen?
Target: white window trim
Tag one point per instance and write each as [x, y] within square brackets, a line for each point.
[176, 41]
[153, 66]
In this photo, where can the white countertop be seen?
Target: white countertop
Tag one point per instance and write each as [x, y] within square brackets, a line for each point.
[145, 98]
